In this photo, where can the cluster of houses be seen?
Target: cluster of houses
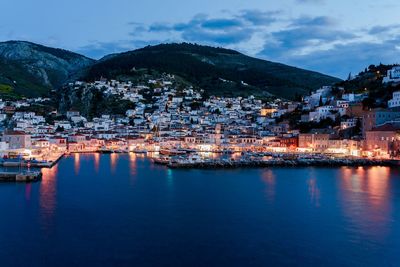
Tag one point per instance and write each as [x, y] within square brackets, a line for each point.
[182, 118]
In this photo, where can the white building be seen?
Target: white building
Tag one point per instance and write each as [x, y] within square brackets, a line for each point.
[395, 101]
[393, 75]
[350, 123]
[62, 124]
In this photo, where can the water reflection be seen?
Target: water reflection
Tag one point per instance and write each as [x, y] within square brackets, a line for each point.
[28, 192]
[132, 163]
[133, 167]
[366, 199]
[113, 161]
[313, 189]
[269, 179]
[170, 178]
[48, 194]
[77, 163]
[96, 162]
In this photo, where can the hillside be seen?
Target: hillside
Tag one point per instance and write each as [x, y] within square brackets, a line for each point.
[370, 81]
[30, 69]
[217, 70]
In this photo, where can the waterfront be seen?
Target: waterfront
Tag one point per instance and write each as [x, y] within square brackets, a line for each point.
[122, 210]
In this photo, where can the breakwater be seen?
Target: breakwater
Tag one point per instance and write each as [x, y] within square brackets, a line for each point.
[221, 164]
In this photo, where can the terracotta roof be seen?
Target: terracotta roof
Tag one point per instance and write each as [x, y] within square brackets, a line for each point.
[14, 133]
[388, 127]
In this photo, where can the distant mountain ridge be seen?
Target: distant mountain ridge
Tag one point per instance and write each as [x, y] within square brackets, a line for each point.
[217, 70]
[31, 70]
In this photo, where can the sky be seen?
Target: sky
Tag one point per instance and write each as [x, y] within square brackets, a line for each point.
[335, 37]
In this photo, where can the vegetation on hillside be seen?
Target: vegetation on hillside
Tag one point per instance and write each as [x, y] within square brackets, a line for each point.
[216, 70]
[370, 81]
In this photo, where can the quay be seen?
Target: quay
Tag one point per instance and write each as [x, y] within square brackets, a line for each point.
[26, 177]
[32, 163]
[225, 164]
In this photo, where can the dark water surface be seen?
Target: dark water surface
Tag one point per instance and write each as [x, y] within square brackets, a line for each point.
[121, 210]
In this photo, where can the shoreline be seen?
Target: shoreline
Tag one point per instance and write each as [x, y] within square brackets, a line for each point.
[221, 164]
[230, 164]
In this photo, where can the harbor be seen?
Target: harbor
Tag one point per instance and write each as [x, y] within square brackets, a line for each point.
[223, 163]
[263, 160]
[28, 170]
[31, 163]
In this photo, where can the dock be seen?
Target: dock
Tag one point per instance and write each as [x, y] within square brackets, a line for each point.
[22, 177]
[33, 163]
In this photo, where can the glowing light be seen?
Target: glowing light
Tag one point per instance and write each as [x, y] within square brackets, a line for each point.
[96, 162]
[77, 163]
[48, 192]
[113, 161]
[269, 179]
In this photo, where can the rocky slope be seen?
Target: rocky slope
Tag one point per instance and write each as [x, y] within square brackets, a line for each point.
[32, 70]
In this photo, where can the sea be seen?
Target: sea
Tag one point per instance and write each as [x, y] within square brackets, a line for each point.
[123, 210]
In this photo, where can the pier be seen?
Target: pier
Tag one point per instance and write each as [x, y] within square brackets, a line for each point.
[53, 160]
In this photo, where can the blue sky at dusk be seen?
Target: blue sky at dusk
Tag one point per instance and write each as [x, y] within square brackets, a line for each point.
[333, 37]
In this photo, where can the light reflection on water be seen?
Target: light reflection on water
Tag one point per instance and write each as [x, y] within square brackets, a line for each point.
[132, 163]
[113, 162]
[313, 189]
[365, 198]
[269, 179]
[48, 196]
[96, 162]
[279, 210]
[77, 163]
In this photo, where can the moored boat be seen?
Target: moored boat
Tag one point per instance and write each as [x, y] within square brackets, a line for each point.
[140, 151]
[163, 160]
[172, 152]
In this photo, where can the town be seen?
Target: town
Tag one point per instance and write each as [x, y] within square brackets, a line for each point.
[169, 120]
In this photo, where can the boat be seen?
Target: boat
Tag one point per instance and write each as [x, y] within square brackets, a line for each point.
[172, 152]
[163, 160]
[194, 158]
[140, 151]
[105, 150]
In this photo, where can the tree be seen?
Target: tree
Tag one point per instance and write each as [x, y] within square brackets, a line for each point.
[349, 77]
[60, 129]
[357, 128]
[368, 103]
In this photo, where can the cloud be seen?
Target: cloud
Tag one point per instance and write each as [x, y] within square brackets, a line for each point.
[319, 21]
[342, 52]
[319, 43]
[226, 37]
[309, 1]
[221, 24]
[259, 18]
[353, 57]
[98, 49]
[302, 35]
[230, 30]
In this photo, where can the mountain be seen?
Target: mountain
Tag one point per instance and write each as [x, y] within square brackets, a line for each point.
[216, 70]
[30, 69]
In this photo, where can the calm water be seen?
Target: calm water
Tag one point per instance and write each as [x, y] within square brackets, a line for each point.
[121, 210]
